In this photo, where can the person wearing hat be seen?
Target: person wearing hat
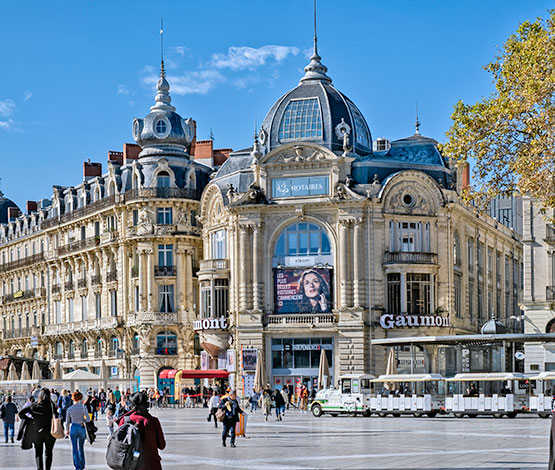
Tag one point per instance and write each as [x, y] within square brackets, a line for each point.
[232, 411]
[152, 436]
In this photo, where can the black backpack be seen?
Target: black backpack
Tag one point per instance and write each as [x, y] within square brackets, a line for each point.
[124, 447]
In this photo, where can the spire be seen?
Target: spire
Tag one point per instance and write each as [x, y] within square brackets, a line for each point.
[162, 98]
[315, 70]
[417, 122]
[256, 153]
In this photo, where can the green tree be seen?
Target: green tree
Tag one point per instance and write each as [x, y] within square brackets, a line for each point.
[509, 136]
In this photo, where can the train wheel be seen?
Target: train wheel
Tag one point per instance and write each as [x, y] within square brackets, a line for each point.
[335, 415]
[317, 410]
[459, 415]
[472, 415]
[543, 415]
[432, 414]
[382, 415]
[511, 415]
[367, 413]
[417, 415]
[497, 415]
[396, 415]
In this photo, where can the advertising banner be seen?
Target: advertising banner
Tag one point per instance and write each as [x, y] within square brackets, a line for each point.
[203, 360]
[249, 360]
[303, 290]
[230, 360]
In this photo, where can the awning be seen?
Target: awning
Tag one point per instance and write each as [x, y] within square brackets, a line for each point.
[409, 378]
[487, 376]
[466, 339]
[202, 374]
[165, 374]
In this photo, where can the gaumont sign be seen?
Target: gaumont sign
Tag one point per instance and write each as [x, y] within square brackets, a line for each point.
[211, 324]
[388, 320]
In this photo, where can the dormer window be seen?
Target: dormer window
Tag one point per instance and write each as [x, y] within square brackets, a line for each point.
[163, 180]
[381, 145]
[160, 127]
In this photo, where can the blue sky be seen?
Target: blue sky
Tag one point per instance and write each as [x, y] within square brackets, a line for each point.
[74, 74]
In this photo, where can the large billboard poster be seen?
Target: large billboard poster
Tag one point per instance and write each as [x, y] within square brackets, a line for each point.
[303, 290]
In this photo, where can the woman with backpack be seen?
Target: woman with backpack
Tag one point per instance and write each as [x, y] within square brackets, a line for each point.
[38, 425]
[150, 431]
[77, 416]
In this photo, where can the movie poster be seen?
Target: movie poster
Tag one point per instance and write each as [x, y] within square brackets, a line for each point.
[249, 359]
[306, 290]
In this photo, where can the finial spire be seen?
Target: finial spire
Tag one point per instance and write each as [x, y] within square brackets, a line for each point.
[315, 70]
[256, 153]
[162, 99]
[162, 71]
[417, 122]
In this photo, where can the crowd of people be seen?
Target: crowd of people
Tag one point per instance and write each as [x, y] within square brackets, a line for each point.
[48, 415]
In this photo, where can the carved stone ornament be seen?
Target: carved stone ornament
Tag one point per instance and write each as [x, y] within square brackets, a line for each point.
[410, 198]
[298, 154]
[343, 191]
[263, 136]
[146, 221]
[182, 217]
[342, 129]
[254, 195]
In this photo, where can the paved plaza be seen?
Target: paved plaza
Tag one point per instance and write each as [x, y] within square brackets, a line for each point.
[304, 442]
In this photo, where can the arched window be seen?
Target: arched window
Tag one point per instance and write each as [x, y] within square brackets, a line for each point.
[161, 127]
[136, 344]
[114, 344]
[84, 348]
[166, 343]
[59, 349]
[163, 180]
[71, 348]
[99, 345]
[304, 239]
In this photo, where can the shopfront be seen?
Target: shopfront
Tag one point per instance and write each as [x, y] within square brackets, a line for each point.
[295, 361]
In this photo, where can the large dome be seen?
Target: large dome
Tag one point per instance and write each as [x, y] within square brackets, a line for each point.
[317, 112]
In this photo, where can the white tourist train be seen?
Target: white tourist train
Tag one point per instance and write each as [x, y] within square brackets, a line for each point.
[498, 394]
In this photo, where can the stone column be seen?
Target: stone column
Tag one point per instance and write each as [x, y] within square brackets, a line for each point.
[257, 265]
[404, 308]
[357, 263]
[188, 276]
[142, 280]
[344, 274]
[149, 278]
[243, 267]
[130, 294]
[180, 279]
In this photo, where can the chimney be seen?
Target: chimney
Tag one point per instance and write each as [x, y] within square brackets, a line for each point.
[221, 155]
[31, 206]
[115, 157]
[466, 175]
[91, 170]
[130, 152]
[13, 212]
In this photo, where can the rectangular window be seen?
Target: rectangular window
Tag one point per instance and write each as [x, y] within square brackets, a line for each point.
[470, 247]
[480, 302]
[458, 296]
[137, 299]
[165, 299]
[70, 314]
[83, 232]
[409, 237]
[113, 303]
[219, 244]
[135, 217]
[205, 299]
[394, 293]
[418, 294]
[84, 307]
[165, 255]
[220, 297]
[58, 312]
[98, 306]
[471, 299]
[164, 216]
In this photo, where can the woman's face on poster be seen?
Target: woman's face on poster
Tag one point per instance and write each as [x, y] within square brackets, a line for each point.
[312, 285]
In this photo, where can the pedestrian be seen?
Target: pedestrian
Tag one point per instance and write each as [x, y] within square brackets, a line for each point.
[279, 404]
[8, 413]
[111, 404]
[64, 402]
[110, 422]
[40, 415]
[285, 396]
[231, 417]
[266, 404]
[122, 408]
[102, 400]
[213, 405]
[117, 394]
[152, 436]
[77, 416]
[304, 399]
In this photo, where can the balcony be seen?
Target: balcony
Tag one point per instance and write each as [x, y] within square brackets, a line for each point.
[79, 213]
[81, 283]
[98, 354]
[165, 270]
[162, 193]
[112, 276]
[58, 357]
[135, 351]
[18, 296]
[77, 246]
[302, 319]
[550, 293]
[56, 288]
[109, 236]
[402, 257]
[96, 280]
[210, 265]
[84, 354]
[155, 318]
[69, 285]
[17, 333]
[21, 263]
[71, 356]
[117, 354]
[165, 351]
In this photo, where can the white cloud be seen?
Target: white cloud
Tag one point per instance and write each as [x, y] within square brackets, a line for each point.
[244, 57]
[182, 50]
[27, 94]
[6, 108]
[200, 82]
[122, 90]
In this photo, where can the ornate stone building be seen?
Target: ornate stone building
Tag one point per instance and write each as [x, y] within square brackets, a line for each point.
[318, 237]
[104, 273]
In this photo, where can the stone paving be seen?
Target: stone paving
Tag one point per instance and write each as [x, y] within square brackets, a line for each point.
[301, 441]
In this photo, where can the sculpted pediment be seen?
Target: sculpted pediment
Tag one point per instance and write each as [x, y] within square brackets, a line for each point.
[298, 154]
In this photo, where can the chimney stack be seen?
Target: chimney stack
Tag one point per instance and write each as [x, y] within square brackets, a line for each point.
[91, 170]
[13, 213]
[31, 206]
[466, 175]
[130, 152]
[115, 157]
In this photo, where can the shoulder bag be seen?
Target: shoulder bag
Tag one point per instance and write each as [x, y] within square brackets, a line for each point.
[56, 428]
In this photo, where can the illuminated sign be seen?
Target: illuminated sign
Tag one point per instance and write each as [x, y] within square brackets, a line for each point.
[388, 320]
[301, 186]
[211, 324]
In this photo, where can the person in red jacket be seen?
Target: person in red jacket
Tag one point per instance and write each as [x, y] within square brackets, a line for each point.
[152, 436]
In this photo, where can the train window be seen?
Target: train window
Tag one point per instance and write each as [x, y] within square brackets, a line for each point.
[365, 383]
[346, 386]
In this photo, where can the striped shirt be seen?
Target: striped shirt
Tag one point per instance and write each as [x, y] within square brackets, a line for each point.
[77, 414]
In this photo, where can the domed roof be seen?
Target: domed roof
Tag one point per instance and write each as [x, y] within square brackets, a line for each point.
[163, 132]
[5, 203]
[493, 327]
[316, 111]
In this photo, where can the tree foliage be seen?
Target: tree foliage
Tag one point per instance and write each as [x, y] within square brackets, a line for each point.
[509, 136]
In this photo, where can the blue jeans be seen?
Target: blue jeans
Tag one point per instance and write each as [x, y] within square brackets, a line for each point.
[78, 435]
[280, 410]
[8, 427]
